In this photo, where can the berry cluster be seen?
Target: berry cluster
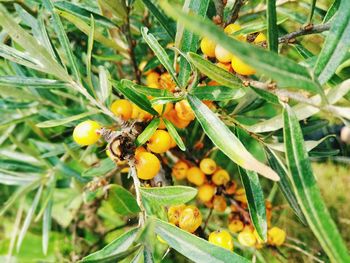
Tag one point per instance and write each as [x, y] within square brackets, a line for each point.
[227, 60]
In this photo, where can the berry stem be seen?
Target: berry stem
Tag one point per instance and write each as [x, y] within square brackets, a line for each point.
[207, 219]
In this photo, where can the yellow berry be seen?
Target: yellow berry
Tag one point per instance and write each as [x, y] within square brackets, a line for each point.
[222, 239]
[147, 165]
[173, 143]
[140, 150]
[159, 142]
[240, 67]
[86, 133]
[247, 238]
[166, 82]
[190, 219]
[241, 196]
[208, 166]
[260, 38]
[231, 28]
[206, 192]
[122, 109]
[152, 78]
[174, 213]
[220, 177]
[208, 47]
[163, 108]
[140, 114]
[219, 203]
[184, 110]
[180, 170]
[222, 54]
[195, 176]
[236, 226]
[276, 236]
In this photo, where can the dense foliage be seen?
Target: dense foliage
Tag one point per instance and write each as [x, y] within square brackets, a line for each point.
[174, 131]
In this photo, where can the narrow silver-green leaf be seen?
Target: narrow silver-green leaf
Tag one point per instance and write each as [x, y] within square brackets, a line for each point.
[216, 93]
[174, 134]
[160, 53]
[19, 81]
[123, 202]
[256, 201]
[118, 245]
[272, 30]
[169, 195]
[284, 71]
[147, 132]
[226, 141]
[115, 257]
[336, 45]
[46, 226]
[193, 247]
[307, 191]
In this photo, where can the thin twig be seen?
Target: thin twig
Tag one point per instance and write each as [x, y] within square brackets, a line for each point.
[207, 219]
[219, 7]
[303, 251]
[137, 185]
[307, 30]
[235, 11]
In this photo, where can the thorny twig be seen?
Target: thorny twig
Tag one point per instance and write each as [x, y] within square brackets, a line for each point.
[235, 11]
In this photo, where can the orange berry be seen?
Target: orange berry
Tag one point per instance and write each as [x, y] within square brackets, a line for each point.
[240, 67]
[236, 226]
[222, 54]
[195, 176]
[184, 110]
[206, 192]
[241, 196]
[207, 165]
[190, 219]
[208, 47]
[222, 239]
[122, 109]
[173, 143]
[166, 82]
[230, 188]
[140, 150]
[219, 203]
[152, 78]
[220, 177]
[174, 213]
[147, 165]
[179, 123]
[159, 142]
[225, 66]
[86, 133]
[180, 170]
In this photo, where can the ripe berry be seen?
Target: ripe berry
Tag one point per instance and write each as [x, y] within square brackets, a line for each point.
[190, 219]
[260, 38]
[208, 47]
[219, 203]
[140, 150]
[247, 237]
[222, 54]
[180, 170]
[179, 123]
[152, 79]
[86, 133]
[220, 177]
[166, 82]
[231, 28]
[174, 213]
[241, 196]
[195, 176]
[225, 66]
[276, 236]
[222, 239]
[206, 192]
[163, 109]
[159, 142]
[208, 166]
[236, 226]
[147, 165]
[240, 67]
[122, 109]
[230, 188]
[140, 114]
[184, 110]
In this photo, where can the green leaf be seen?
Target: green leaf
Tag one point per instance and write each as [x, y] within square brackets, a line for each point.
[123, 202]
[272, 30]
[63, 39]
[284, 71]
[35, 50]
[307, 191]
[151, 91]
[118, 245]
[104, 166]
[190, 41]
[331, 11]
[60, 122]
[216, 93]
[18, 81]
[105, 87]
[284, 184]
[160, 53]
[193, 247]
[336, 44]
[312, 10]
[256, 201]
[174, 134]
[116, 7]
[169, 195]
[226, 141]
[126, 87]
[148, 132]
[163, 20]
[216, 73]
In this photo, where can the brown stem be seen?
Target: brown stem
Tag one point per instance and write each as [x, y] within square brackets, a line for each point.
[132, 45]
[219, 6]
[307, 30]
[243, 212]
[207, 219]
[235, 11]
